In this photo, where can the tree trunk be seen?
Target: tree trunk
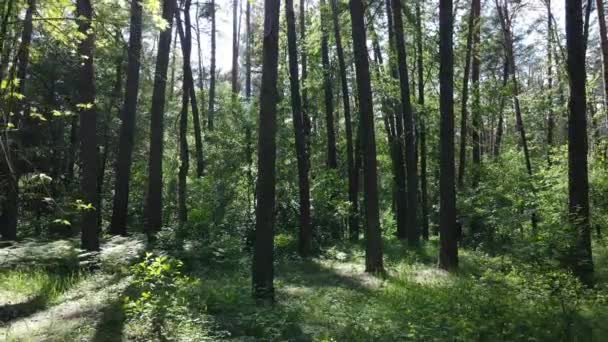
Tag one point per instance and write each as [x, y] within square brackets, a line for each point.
[248, 47]
[305, 235]
[88, 127]
[465, 98]
[235, 50]
[448, 247]
[127, 129]
[3, 36]
[581, 260]
[411, 228]
[604, 45]
[262, 270]
[303, 54]
[396, 139]
[332, 159]
[476, 124]
[550, 115]
[500, 125]
[373, 249]
[352, 186]
[154, 204]
[422, 125]
[211, 111]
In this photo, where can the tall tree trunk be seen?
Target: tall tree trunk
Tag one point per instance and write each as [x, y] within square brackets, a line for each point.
[407, 115]
[173, 58]
[88, 126]
[475, 70]
[422, 125]
[550, 114]
[262, 270]
[395, 123]
[373, 248]
[248, 47]
[448, 247]
[303, 54]
[604, 45]
[501, 107]
[352, 186]
[201, 68]
[581, 260]
[212, 71]
[235, 49]
[3, 36]
[305, 235]
[127, 129]
[154, 199]
[332, 159]
[9, 167]
[465, 98]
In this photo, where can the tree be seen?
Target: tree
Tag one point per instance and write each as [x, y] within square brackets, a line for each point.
[263, 270]
[407, 115]
[88, 127]
[422, 125]
[476, 124]
[235, 49]
[127, 130]
[581, 260]
[153, 209]
[352, 185]
[373, 246]
[212, 71]
[448, 248]
[305, 234]
[550, 115]
[601, 19]
[332, 159]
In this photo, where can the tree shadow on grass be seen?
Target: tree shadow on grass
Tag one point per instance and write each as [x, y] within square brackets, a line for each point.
[110, 326]
[13, 311]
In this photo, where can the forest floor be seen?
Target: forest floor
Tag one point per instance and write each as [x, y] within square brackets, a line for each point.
[50, 291]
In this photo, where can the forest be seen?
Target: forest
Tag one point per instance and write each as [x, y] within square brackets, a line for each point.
[312, 170]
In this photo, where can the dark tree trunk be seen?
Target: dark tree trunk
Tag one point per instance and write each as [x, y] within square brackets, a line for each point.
[248, 47]
[465, 98]
[500, 125]
[448, 247]
[211, 111]
[235, 49]
[332, 159]
[396, 137]
[305, 235]
[201, 68]
[3, 35]
[88, 127]
[581, 260]
[154, 200]
[373, 249]
[411, 229]
[303, 54]
[604, 46]
[188, 93]
[71, 153]
[352, 186]
[550, 115]
[422, 125]
[127, 129]
[476, 124]
[263, 254]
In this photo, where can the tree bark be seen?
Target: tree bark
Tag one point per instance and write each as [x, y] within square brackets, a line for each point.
[604, 46]
[154, 200]
[212, 71]
[305, 234]
[550, 114]
[475, 70]
[127, 129]
[422, 125]
[332, 159]
[373, 248]
[448, 247]
[262, 270]
[303, 54]
[88, 127]
[465, 98]
[235, 49]
[411, 227]
[581, 260]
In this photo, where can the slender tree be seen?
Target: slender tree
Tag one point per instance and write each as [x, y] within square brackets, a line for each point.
[305, 235]
[581, 260]
[332, 159]
[88, 126]
[235, 49]
[550, 114]
[422, 125]
[448, 247]
[352, 185]
[127, 130]
[475, 70]
[154, 204]
[465, 97]
[263, 254]
[212, 71]
[303, 54]
[407, 116]
[373, 246]
[601, 19]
